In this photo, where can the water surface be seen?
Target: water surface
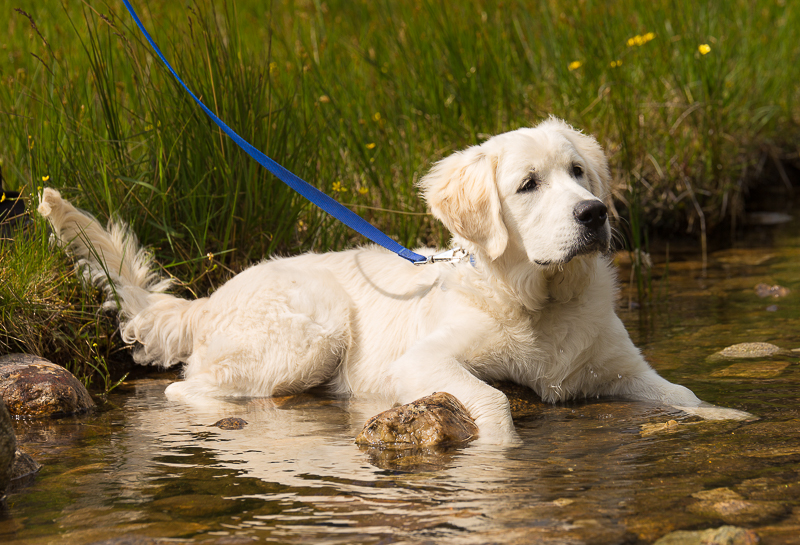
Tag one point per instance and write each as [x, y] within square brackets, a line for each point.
[598, 471]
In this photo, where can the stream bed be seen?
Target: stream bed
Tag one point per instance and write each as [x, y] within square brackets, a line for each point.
[597, 471]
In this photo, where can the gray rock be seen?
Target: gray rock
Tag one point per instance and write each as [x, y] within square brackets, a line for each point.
[8, 445]
[34, 387]
[724, 535]
[437, 419]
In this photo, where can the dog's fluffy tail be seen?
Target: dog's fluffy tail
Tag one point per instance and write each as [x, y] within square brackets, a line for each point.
[113, 260]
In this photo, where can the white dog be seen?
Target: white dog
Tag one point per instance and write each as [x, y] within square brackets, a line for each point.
[534, 304]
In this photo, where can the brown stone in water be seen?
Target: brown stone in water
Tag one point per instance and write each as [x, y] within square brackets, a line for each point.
[433, 420]
[729, 506]
[724, 535]
[34, 387]
[764, 369]
[765, 290]
[230, 423]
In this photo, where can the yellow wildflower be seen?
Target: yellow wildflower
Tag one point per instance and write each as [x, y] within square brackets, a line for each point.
[371, 145]
[3, 197]
[337, 186]
[574, 65]
[640, 40]
[376, 116]
[616, 64]
[704, 49]
[363, 190]
[45, 178]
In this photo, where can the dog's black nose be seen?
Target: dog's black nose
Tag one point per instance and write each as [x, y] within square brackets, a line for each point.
[591, 213]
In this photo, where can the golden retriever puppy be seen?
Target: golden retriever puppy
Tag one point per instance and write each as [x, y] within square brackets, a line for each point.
[533, 304]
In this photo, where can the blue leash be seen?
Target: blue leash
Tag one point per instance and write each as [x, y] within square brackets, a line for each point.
[317, 197]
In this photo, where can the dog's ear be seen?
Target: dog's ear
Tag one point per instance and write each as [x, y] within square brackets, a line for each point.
[594, 156]
[461, 191]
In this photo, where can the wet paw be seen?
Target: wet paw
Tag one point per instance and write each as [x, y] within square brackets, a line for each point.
[712, 412]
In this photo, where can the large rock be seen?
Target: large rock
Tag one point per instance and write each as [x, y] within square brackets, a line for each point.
[34, 387]
[437, 419]
[8, 446]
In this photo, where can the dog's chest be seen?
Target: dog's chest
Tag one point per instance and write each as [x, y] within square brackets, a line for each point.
[542, 349]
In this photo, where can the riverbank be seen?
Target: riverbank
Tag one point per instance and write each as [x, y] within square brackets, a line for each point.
[694, 104]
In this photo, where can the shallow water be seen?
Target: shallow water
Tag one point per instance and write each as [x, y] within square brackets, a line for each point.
[600, 471]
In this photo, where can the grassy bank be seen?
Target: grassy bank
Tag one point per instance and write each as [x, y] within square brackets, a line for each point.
[690, 100]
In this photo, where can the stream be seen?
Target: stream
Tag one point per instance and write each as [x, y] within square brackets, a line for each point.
[596, 472]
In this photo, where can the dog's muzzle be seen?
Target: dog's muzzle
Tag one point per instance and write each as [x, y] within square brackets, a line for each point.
[594, 234]
[592, 215]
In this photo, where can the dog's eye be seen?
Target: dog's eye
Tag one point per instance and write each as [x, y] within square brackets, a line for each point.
[577, 171]
[529, 183]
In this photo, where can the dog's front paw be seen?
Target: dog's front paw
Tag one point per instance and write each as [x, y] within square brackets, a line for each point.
[712, 412]
[494, 436]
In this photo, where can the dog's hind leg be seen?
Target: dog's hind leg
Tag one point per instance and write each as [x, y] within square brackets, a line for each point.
[275, 329]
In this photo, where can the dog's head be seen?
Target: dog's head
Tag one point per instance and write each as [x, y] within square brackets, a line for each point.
[538, 191]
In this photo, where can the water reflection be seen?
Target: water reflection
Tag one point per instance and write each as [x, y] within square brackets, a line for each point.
[295, 472]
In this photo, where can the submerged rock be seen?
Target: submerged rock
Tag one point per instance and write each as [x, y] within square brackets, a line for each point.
[764, 369]
[748, 350]
[668, 426]
[776, 292]
[437, 419]
[34, 387]
[724, 535]
[731, 507]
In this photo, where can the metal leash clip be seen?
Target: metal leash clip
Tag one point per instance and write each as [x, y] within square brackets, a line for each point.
[450, 256]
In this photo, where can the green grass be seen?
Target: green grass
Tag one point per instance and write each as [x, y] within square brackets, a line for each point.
[360, 98]
[45, 309]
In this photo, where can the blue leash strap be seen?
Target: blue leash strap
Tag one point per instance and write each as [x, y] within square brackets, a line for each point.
[317, 197]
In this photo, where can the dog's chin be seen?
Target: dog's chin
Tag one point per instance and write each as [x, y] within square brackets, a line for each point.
[588, 248]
